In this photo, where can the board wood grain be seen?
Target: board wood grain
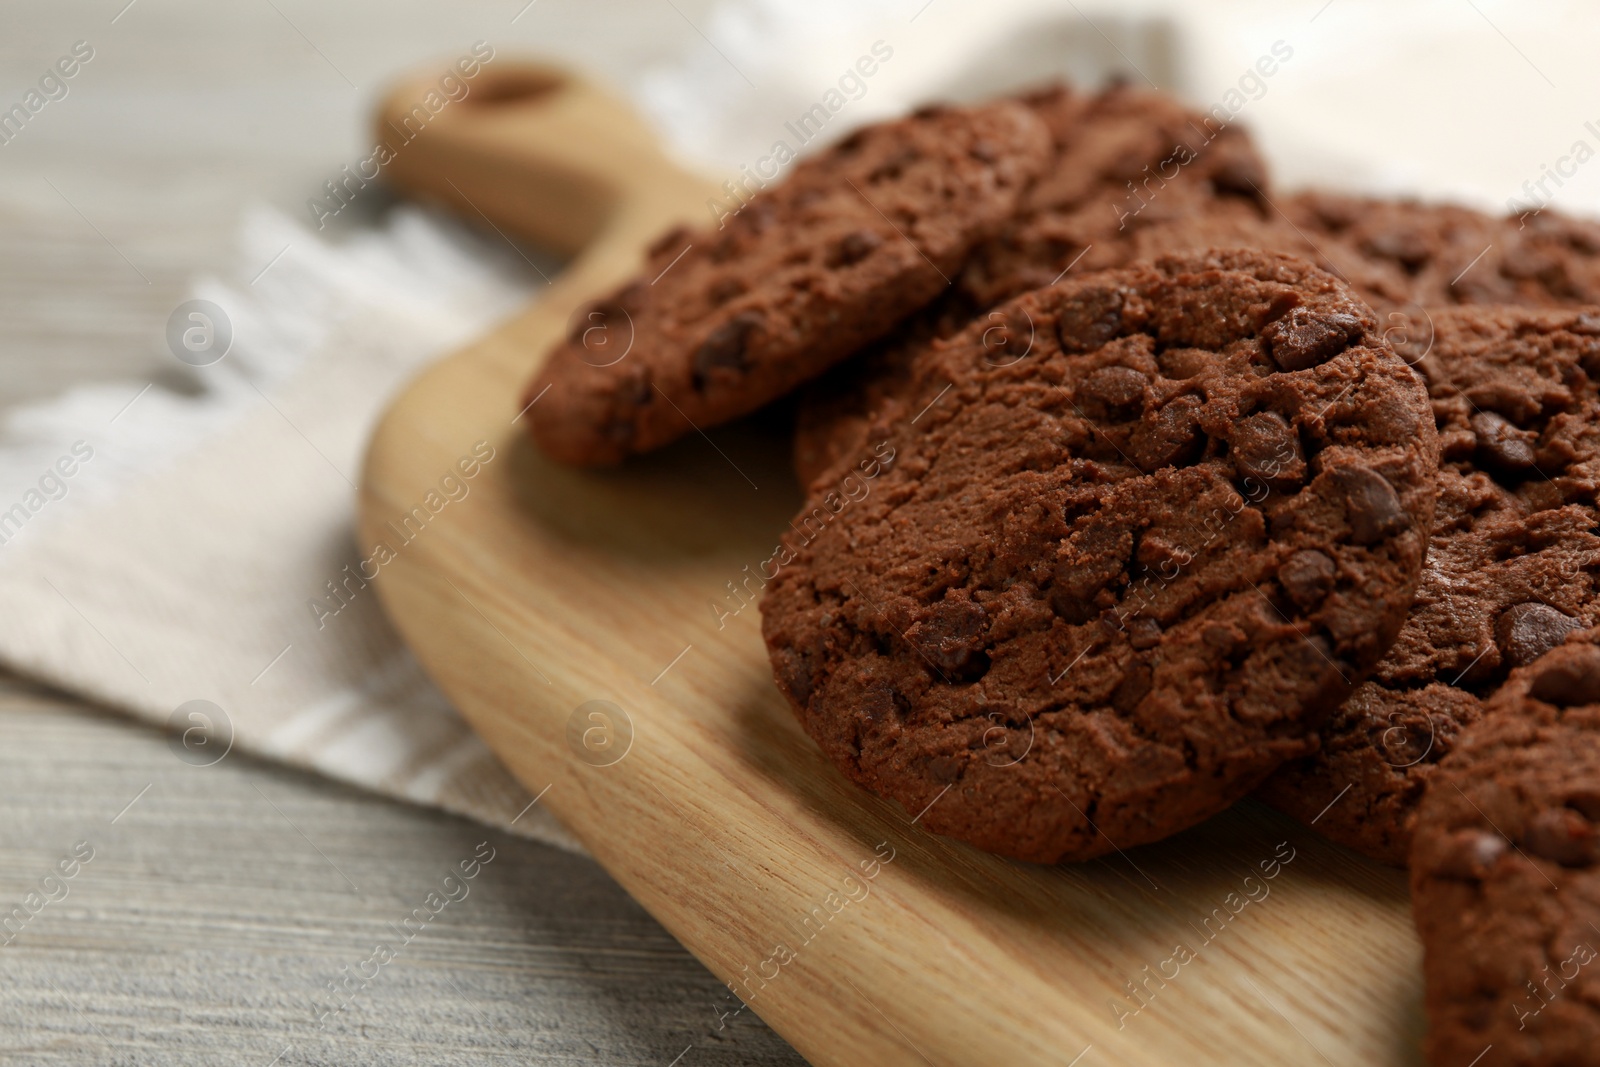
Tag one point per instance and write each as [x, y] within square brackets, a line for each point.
[860, 938]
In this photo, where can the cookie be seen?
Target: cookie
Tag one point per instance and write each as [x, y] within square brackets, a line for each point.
[1505, 874]
[1137, 176]
[1447, 254]
[1123, 158]
[1382, 285]
[1136, 537]
[1512, 566]
[1130, 173]
[835, 411]
[1402, 256]
[720, 322]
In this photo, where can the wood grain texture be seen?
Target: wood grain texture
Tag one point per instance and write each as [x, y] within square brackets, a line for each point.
[217, 908]
[549, 588]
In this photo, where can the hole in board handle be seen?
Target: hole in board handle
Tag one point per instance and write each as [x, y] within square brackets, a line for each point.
[503, 88]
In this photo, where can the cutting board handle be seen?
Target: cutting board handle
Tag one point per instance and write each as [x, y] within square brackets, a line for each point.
[538, 152]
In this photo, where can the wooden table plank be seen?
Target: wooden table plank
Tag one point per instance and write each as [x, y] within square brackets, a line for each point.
[218, 906]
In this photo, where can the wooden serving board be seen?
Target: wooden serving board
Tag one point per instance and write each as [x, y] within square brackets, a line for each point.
[857, 936]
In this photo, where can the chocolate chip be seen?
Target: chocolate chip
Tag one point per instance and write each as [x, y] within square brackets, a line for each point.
[1111, 393]
[1281, 305]
[1588, 323]
[1409, 249]
[1304, 338]
[725, 347]
[1090, 319]
[984, 150]
[1169, 438]
[953, 635]
[1585, 241]
[853, 248]
[1144, 633]
[1093, 559]
[1132, 688]
[852, 144]
[1071, 607]
[1336, 214]
[1562, 836]
[1585, 800]
[1501, 444]
[1570, 678]
[794, 675]
[880, 702]
[669, 243]
[1525, 632]
[894, 167]
[1266, 447]
[725, 289]
[944, 769]
[1469, 854]
[1239, 175]
[1530, 264]
[1307, 577]
[1372, 505]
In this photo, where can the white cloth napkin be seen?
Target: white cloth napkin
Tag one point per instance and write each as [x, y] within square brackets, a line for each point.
[164, 547]
[180, 558]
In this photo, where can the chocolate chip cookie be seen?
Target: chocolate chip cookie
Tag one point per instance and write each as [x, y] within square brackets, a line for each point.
[1132, 175]
[836, 410]
[1402, 256]
[1512, 566]
[1505, 874]
[1149, 527]
[1447, 254]
[720, 322]
[1137, 175]
[1123, 158]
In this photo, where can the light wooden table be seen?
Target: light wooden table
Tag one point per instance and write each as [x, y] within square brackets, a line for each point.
[182, 941]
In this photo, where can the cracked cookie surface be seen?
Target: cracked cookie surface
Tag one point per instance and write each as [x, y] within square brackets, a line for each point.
[1123, 159]
[1437, 255]
[1141, 531]
[1132, 174]
[1513, 566]
[722, 321]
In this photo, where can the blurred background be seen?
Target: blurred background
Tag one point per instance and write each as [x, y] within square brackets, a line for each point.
[225, 898]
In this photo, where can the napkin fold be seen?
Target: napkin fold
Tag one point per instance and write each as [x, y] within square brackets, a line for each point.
[169, 545]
